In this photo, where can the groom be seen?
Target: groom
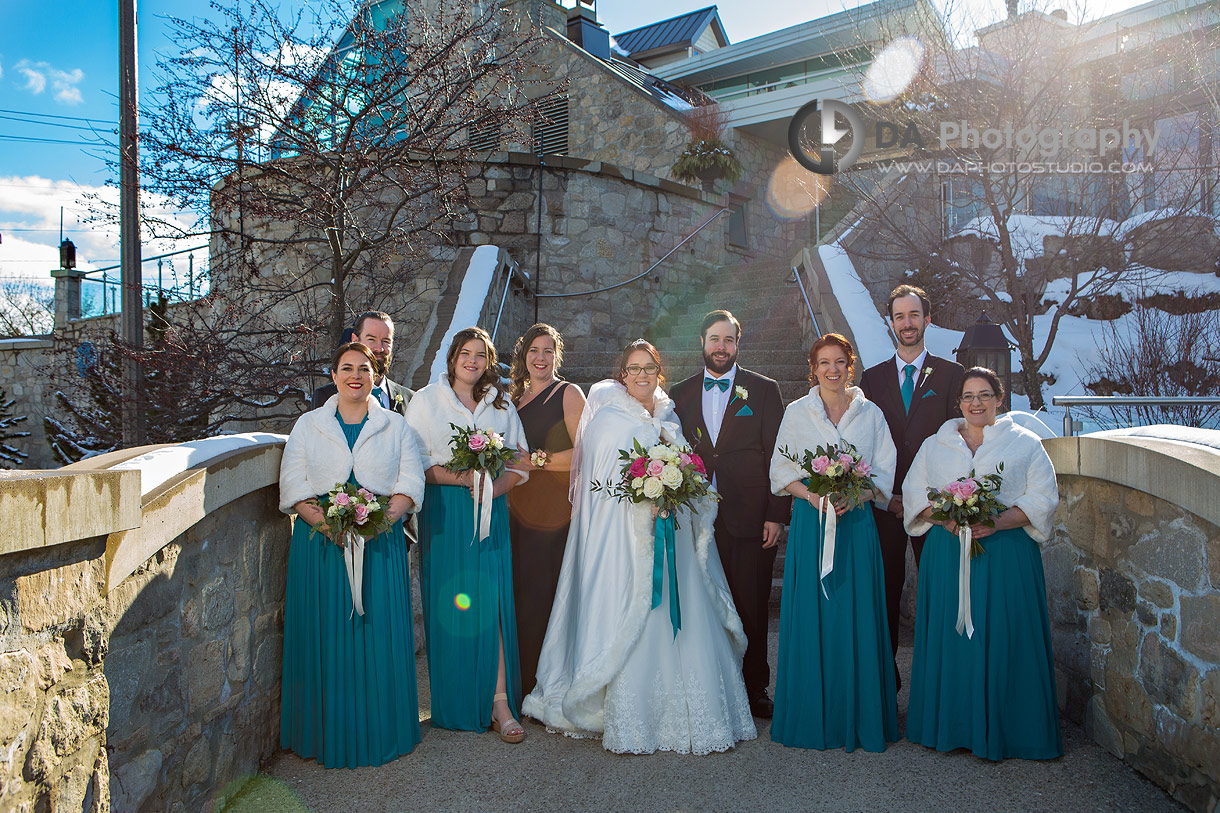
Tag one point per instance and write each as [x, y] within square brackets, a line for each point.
[917, 392]
[375, 330]
[731, 417]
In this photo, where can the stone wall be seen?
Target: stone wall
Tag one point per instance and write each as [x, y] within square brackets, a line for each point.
[23, 364]
[1134, 590]
[140, 635]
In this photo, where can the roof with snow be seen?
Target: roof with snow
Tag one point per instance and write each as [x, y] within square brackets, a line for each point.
[677, 32]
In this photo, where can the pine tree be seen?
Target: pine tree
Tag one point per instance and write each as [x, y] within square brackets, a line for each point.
[10, 456]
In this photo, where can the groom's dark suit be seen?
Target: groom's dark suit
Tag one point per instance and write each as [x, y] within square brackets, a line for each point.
[740, 460]
[933, 402]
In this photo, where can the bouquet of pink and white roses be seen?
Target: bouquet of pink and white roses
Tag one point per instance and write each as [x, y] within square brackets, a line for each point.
[666, 475]
[351, 510]
[836, 469]
[479, 450]
[969, 501]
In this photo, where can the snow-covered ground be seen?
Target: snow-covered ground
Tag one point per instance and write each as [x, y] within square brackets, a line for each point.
[1076, 343]
[475, 286]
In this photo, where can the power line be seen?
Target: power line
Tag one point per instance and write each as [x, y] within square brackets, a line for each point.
[34, 140]
[53, 116]
[88, 129]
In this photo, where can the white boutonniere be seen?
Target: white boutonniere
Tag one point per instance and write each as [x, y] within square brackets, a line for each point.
[398, 398]
[741, 392]
[927, 371]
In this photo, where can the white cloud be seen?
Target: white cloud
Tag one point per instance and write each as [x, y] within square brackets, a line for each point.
[29, 223]
[64, 83]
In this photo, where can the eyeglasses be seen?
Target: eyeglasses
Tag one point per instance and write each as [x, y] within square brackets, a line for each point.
[982, 398]
[647, 369]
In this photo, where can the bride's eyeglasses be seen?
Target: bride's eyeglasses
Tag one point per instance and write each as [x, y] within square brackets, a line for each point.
[647, 369]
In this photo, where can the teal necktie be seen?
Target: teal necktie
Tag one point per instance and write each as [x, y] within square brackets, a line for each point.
[908, 387]
[377, 395]
[722, 383]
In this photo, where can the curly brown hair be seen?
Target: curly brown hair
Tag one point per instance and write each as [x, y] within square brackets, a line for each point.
[832, 340]
[518, 375]
[490, 377]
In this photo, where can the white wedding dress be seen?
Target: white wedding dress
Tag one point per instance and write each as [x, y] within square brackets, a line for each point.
[611, 665]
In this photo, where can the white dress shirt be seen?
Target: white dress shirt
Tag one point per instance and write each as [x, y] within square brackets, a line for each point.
[385, 392]
[715, 402]
[919, 365]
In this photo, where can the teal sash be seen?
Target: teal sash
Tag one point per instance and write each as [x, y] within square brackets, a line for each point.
[663, 548]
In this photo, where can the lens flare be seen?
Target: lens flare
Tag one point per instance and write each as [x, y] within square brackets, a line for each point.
[461, 601]
[793, 191]
[893, 70]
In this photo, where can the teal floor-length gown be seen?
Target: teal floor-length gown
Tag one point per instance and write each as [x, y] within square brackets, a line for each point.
[467, 589]
[993, 693]
[834, 681]
[349, 697]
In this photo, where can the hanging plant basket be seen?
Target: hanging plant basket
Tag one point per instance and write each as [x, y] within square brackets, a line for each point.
[707, 162]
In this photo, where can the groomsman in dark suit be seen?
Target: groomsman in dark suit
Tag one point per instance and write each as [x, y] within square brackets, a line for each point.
[731, 417]
[917, 391]
[375, 330]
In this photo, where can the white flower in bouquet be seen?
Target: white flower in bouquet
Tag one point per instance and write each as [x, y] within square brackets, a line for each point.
[671, 476]
[637, 483]
[653, 487]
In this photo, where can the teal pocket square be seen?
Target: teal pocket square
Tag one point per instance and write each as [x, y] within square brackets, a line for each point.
[745, 410]
[927, 394]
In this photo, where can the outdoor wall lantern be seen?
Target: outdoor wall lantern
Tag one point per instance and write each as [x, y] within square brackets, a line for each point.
[985, 345]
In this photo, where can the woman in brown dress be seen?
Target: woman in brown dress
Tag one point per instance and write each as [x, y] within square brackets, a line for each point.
[539, 511]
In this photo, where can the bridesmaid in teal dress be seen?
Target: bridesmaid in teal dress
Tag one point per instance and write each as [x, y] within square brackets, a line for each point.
[467, 583]
[990, 687]
[834, 677]
[348, 692]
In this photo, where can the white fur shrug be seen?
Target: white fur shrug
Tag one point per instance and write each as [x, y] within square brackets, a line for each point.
[806, 426]
[1028, 476]
[432, 409]
[385, 458]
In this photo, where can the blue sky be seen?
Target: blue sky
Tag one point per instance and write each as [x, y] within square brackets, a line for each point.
[65, 64]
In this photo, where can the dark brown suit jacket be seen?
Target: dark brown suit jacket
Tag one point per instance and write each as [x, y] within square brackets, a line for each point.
[934, 402]
[741, 458]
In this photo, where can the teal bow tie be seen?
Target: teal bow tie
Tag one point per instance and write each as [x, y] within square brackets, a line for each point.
[723, 383]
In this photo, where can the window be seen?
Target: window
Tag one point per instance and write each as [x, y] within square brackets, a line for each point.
[485, 134]
[739, 233]
[549, 134]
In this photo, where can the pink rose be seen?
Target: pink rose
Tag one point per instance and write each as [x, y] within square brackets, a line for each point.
[684, 458]
[366, 494]
[697, 462]
[342, 499]
[655, 467]
[477, 442]
[362, 514]
[863, 469]
[639, 466]
[846, 460]
[966, 488]
[820, 464]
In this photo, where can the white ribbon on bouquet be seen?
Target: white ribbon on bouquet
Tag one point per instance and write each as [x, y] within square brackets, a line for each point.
[965, 538]
[484, 486]
[353, 561]
[830, 523]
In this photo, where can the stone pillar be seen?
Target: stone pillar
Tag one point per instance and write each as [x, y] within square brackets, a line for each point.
[67, 296]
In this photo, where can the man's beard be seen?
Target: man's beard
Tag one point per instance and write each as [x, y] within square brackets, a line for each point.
[913, 342]
[383, 366]
[719, 368]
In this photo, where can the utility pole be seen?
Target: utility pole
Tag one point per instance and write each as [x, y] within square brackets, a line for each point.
[132, 319]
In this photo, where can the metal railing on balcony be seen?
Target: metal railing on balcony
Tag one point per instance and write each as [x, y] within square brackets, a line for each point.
[1134, 410]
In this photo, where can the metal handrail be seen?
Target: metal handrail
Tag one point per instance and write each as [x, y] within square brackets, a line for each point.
[1069, 401]
[685, 240]
[796, 272]
[513, 272]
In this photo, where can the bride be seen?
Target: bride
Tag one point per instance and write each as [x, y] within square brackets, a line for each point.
[611, 665]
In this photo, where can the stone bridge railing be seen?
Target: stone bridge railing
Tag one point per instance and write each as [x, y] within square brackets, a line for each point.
[1133, 577]
[141, 614]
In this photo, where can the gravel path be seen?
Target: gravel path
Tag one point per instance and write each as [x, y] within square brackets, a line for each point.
[464, 771]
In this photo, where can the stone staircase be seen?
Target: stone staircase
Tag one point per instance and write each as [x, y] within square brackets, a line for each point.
[760, 297]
